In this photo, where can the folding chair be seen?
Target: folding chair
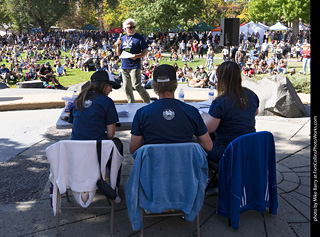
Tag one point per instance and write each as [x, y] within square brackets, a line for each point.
[247, 177]
[167, 177]
[214, 168]
[74, 165]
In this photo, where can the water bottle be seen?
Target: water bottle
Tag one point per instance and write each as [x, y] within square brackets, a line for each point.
[211, 94]
[181, 95]
[70, 101]
[74, 95]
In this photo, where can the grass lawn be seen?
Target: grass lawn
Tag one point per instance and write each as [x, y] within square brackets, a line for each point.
[75, 76]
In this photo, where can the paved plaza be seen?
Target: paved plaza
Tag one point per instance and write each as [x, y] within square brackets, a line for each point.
[35, 217]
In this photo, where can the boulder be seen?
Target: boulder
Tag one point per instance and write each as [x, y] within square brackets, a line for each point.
[277, 96]
[78, 87]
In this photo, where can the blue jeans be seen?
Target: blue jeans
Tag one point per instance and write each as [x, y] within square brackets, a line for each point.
[216, 153]
[240, 65]
[210, 63]
[283, 70]
[306, 62]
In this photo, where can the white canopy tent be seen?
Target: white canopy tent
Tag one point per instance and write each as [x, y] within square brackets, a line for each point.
[252, 27]
[278, 26]
[303, 27]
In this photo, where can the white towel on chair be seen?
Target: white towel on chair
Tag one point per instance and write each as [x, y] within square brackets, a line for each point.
[74, 164]
[83, 198]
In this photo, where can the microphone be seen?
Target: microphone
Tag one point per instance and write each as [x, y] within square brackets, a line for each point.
[120, 35]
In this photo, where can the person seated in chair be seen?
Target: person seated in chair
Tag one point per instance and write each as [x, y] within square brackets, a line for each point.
[93, 113]
[232, 113]
[167, 120]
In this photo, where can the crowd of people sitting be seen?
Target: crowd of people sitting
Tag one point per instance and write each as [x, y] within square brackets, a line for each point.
[94, 51]
[271, 56]
[20, 54]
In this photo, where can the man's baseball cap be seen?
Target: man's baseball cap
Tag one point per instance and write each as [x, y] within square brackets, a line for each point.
[165, 72]
[47, 64]
[105, 76]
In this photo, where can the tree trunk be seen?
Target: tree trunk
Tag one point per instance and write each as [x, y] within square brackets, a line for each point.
[295, 30]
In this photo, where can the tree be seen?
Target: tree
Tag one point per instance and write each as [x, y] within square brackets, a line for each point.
[214, 10]
[274, 10]
[45, 13]
[162, 15]
[12, 11]
[114, 13]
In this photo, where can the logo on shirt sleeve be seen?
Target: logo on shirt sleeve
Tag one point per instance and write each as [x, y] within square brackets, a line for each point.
[87, 103]
[168, 114]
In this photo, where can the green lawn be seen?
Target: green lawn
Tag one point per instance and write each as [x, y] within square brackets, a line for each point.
[76, 76]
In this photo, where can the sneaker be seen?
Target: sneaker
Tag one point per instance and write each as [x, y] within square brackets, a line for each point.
[213, 189]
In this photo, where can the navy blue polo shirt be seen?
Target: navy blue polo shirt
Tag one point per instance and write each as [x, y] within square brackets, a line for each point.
[91, 123]
[132, 44]
[234, 120]
[168, 121]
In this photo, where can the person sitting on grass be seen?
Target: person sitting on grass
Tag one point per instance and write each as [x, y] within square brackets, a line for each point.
[46, 75]
[17, 72]
[248, 70]
[60, 71]
[282, 66]
[200, 78]
[31, 73]
[5, 73]
[190, 74]
[180, 75]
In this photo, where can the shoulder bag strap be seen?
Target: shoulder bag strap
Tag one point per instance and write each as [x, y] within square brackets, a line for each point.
[99, 155]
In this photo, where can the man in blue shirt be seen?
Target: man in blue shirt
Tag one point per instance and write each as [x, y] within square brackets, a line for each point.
[5, 73]
[167, 120]
[135, 44]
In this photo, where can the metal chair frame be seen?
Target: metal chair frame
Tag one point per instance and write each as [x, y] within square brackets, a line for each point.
[59, 209]
[176, 213]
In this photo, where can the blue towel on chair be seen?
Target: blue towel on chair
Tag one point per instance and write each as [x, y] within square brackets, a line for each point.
[167, 176]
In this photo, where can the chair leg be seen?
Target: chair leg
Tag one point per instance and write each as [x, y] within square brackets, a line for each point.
[141, 230]
[112, 217]
[229, 221]
[67, 195]
[58, 211]
[198, 225]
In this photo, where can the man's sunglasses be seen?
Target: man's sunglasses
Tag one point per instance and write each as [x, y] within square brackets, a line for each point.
[131, 27]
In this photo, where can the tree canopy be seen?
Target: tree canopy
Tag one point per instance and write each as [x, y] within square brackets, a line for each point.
[162, 15]
[151, 16]
[277, 10]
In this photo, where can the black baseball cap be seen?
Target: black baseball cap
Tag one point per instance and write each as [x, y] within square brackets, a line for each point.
[166, 72]
[105, 76]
